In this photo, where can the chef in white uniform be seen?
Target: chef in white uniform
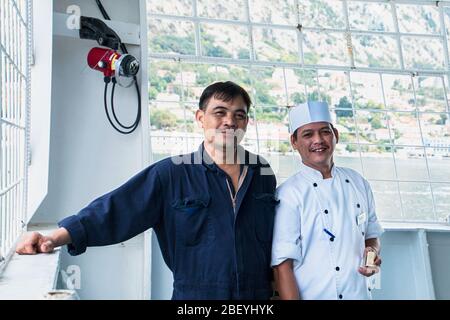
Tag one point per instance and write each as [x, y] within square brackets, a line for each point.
[325, 222]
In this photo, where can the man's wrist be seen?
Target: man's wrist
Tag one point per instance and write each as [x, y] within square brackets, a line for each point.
[60, 237]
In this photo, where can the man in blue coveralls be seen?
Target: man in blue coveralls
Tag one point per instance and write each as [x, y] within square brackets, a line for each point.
[212, 210]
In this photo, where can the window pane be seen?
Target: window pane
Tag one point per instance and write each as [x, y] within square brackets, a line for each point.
[167, 144]
[284, 165]
[167, 117]
[303, 86]
[367, 91]
[194, 130]
[325, 48]
[401, 118]
[345, 122]
[370, 16]
[209, 73]
[441, 194]
[196, 77]
[376, 51]
[334, 87]
[399, 92]
[262, 11]
[276, 45]
[216, 9]
[411, 164]
[349, 150]
[447, 24]
[272, 123]
[165, 80]
[173, 7]
[224, 41]
[347, 155]
[250, 141]
[269, 86]
[418, 19]
[438, 162]
[170, 36]
[430, 94]
[405, 128]
[372, 128]
[416, 200]
[236, 73]
[379, 167]
[321, 13]
[434, 129]
[387, 200]
[274, 146]
[423, 53]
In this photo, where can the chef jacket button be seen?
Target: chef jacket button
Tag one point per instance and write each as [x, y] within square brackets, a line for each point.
[315, 184]
[341, 296]
[337, 268]
[331, 239]
[363, 233]
[358, 205]
[346, 180]
[326, 211]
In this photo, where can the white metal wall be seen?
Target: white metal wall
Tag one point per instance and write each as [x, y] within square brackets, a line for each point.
[88, 158]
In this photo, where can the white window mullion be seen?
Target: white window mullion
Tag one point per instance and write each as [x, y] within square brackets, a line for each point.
[183, 105]
[198, 39]
[352, 99]
[255, 106]
[398, 37]
[391, 139]
[424, 149]
[348, 35]
[446, 55]
[299, 33]
[251, 39]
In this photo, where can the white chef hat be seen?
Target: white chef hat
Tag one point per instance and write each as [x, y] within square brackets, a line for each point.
[309, 112]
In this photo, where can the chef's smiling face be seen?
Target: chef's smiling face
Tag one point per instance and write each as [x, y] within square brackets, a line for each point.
[315, 143]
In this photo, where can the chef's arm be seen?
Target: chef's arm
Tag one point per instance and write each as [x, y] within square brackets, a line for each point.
[285, 281]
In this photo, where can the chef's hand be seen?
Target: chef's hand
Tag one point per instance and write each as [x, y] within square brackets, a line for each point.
[369, 271]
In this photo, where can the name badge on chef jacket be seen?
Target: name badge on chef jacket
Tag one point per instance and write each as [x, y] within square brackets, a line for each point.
[361, 218]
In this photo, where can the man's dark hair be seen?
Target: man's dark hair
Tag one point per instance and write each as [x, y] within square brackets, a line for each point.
[225, 91]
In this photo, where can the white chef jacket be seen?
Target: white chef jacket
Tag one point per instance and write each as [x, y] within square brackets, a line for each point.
[325, 266]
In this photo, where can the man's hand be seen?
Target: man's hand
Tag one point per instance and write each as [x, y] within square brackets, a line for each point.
[34, 243]
[369, 271]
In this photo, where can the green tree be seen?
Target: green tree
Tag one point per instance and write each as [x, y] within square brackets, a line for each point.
[284, 147]
[163, 119]
[317, 96]
[344, 108]
[298, 98]
[216, 51]
[152, 93]
[442, 120]
[244, 54]
[373, 105]
[351, 148]
[307, 77]
[268, 115]
[375, 122]
[171, 43]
